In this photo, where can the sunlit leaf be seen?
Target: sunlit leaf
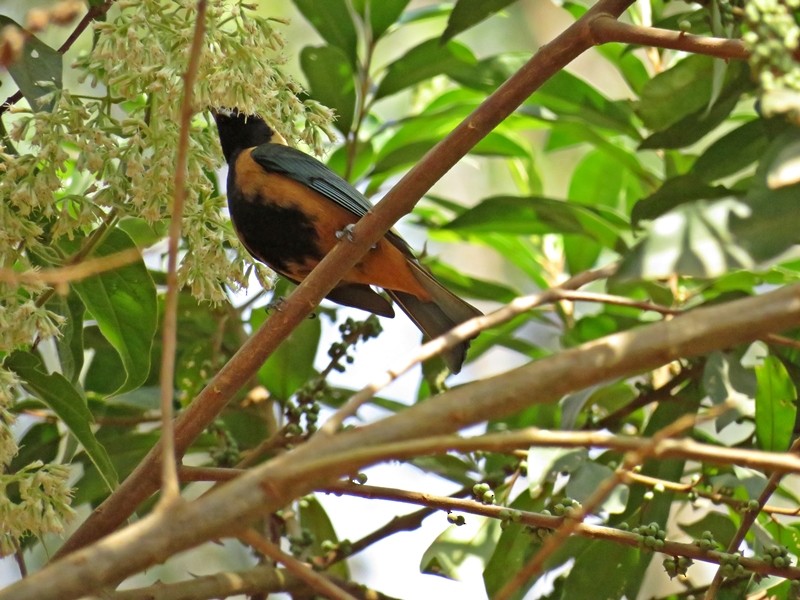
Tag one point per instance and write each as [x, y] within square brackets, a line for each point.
[776, 405]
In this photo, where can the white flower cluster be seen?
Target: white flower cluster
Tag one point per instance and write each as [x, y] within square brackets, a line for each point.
[95, 159]
[33, 501]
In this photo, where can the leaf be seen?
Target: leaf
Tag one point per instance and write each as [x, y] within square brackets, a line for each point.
[314, 519]
[725, 379]
[331, 82]
[69, 344]
[732, 152]
[676, 93]
[536, 215]
[333, 21]
[123, 302]
[40, 442]
[569, 96]
[585, 481]
[292, 364]
[775, 406]
[382, 13]
[621, 569]
[37, 71]
[467, 13]
[67, 403]
[453, 548]
[514, 548]
[673, 193]
[693, 126]
[693, 240]
[720, 526]
[422, 62]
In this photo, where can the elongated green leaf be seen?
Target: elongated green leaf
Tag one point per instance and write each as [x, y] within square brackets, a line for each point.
[676, 93]
[37, 72]
[692, 126]
[70, 343]
[585, 481]
[68, 404]
[622, 571]
[732, 152]
[451, 550]
[775, 406]
[570, 97]
[333, 21]
[382, 13]
[123, 302]
[314, 519]
[330, 80]
[467, 13]
[422, 62]
[535, 215]
[673, 193]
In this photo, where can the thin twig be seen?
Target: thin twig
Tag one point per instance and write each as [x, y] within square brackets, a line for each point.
[462, 332]
[569, 525]
[59, 276]
[169, 476]
[539, 520]
[317, 582]
[748, 519]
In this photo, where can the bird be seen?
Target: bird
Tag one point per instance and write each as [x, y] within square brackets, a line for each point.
[289, 210]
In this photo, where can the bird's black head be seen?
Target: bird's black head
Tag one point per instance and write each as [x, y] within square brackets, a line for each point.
[238, 131]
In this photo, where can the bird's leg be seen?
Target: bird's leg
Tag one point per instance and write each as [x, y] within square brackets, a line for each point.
[346, 232]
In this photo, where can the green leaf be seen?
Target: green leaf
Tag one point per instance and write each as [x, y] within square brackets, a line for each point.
[585, 481]
[382, 13]
[694, 240]
[314, 519]
[67, 403]
[37, 71]
[536, 215]
[775, 405]
[732, 152]
[725, 379]
[467, 13]
[570, 97]
[621, 570]
[720, 526]
[453, 548]
[123, 302]
[292, 364]
[676, 93]
[40, 442]
[488, 73]
[673, 193]
[693, 126]
[330, 81]
[333, 21]
[513, 550]
[70, 343]
[422, 62]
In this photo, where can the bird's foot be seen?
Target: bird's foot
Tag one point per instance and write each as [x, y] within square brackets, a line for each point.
[346, 233]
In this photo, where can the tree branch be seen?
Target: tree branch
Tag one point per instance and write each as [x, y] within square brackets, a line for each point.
[608, 29]
[400, 200]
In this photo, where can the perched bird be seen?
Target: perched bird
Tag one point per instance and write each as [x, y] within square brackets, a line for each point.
[289, 210]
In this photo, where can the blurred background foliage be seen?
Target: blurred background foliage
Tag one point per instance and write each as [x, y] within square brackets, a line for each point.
[680, 168]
